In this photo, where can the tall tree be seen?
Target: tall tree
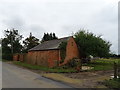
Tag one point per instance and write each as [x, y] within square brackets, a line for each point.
[90, 44]
[11, 42]
[48, 36]
[54, 36]
[30, 42]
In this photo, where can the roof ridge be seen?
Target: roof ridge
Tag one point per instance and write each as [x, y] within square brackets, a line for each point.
[50, 44]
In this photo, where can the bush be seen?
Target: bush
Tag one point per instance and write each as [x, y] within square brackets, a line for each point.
[85, 60]
[7, 56]
[61, 61]
[112, 83]
[73, 62]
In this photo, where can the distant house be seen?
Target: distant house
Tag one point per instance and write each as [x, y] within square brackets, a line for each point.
[48, 52]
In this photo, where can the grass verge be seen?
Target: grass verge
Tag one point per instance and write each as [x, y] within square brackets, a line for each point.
[102, 64]
[112, 83]
[36, 67]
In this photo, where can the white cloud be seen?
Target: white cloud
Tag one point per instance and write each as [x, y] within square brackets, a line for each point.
[61, 16]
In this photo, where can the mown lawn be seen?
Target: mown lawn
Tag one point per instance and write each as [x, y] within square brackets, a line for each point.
[36, 67]
[103, 64]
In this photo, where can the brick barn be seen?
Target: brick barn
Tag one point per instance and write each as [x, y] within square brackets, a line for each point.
[48, 53]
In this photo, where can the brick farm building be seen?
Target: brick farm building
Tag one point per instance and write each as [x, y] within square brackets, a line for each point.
[48, 53]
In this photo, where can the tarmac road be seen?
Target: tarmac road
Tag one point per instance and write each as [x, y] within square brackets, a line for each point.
[15, 77]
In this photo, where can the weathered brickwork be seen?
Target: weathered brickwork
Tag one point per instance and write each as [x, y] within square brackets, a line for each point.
[71, 51]
[43, 58]
[49, 58]
[16, 57]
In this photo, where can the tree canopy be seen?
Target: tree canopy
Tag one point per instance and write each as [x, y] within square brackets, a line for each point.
[90, 44]
[48, 36]
[11, 43]
[30, 42]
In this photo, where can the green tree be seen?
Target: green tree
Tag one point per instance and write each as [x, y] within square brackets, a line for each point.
[30, 42]
[54, 36]
[48, 36]
[90, 44]
[11, 43]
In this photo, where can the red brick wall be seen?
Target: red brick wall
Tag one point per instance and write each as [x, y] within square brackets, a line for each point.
[71, 50]
[16, 57]
[49, 58]
[20, 57]
[44, 58]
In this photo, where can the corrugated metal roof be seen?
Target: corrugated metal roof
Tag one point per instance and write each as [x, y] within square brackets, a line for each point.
[49, 45]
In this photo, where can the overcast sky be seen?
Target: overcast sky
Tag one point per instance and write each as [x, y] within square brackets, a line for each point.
[63, 17]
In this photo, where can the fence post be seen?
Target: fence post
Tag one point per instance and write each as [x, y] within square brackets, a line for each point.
[115, 70]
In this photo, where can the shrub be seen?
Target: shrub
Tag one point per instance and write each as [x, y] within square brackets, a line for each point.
[85, 60]
[7, 56]
[74, 62]
[61, 61]
[112, 83]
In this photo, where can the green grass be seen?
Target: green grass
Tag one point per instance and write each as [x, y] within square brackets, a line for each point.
[36, 67]
[103, 64]
[112, 83]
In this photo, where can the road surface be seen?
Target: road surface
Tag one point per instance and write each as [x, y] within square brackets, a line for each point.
[15, 77]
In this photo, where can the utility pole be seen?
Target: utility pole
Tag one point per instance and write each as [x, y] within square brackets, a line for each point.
[12, 32]
[115, 70]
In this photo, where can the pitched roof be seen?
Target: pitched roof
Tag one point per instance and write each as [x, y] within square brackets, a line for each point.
[50, 45]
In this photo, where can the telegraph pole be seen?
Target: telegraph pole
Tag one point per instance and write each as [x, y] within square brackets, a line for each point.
[12, 32]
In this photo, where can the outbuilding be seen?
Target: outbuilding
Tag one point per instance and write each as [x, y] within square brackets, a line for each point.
[48, 52]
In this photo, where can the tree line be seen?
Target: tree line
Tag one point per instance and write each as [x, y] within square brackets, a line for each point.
[12, 42]
[87, 42]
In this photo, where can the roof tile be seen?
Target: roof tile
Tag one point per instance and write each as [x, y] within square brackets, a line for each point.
[49, 45]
